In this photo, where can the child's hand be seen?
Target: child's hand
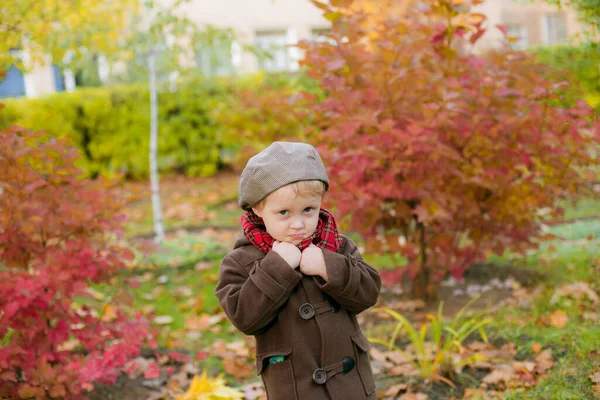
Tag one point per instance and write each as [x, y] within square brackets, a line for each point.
[313, 262]
[290, 253]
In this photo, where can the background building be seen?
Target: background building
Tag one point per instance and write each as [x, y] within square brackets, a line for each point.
[272, 25]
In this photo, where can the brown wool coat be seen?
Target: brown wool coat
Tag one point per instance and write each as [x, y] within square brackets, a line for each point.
[264, 297]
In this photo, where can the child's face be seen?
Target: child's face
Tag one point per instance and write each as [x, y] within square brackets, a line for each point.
[289, 217]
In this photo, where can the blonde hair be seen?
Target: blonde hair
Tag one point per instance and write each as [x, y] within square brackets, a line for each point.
[302, 189]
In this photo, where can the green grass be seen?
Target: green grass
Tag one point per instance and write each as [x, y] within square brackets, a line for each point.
[573, 344]
[567, 381]
[586, 208]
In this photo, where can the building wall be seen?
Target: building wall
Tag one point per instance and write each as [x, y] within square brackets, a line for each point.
[297, 18]
[530, 19]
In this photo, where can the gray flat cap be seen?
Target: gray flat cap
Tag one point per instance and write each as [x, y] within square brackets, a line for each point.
[278, 165]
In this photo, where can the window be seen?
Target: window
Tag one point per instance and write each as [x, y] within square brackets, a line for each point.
[13, 84]
[216, 57]
[275, 53]
[320, 35]
[519, 35]
[217, 52]
[554, 28]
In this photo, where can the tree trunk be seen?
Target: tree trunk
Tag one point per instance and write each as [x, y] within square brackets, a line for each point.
[159, 231]
[421, 284]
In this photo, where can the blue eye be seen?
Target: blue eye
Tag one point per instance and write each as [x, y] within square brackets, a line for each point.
[308, 209]
[284, 212]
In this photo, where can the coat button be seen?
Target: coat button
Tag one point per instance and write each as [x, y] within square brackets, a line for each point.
[348, 364]
[319, 376]
[335, 307]
[307, 311]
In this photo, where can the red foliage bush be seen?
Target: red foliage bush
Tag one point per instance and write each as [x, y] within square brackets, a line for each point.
[442, 155]
[58, 235]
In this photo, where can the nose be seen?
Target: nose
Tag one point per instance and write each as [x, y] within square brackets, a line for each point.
[297, 223]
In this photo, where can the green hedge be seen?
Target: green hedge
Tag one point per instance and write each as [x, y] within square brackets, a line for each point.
[580, 63]
[111, 127]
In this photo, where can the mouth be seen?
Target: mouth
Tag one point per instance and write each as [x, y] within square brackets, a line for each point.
[297, 236]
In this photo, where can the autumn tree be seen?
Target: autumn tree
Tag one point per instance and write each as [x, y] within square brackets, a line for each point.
[441, 155]
[53, 28]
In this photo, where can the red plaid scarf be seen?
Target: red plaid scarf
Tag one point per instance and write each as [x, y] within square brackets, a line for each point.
[326, 235]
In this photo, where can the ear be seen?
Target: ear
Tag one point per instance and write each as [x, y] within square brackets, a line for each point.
[258, 213]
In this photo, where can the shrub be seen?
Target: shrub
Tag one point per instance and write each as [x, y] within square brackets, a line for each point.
[111, 127]
[263, 109]
[438, 154]
[578, 64]
[58, 235]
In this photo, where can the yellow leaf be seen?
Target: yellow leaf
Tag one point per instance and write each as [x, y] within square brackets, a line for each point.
[205, 388]
[109, 313]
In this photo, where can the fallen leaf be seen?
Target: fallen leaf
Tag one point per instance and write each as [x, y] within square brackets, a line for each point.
[237, 368]
[395, 390]
[590, 316]
[163, 320]
[576, 290]
[147, 309]
[215, 319]
[182, 291]
[502, 374]
[146, 277]
[536, 348]
[544, 361]
[413, 396]
[157, 291]
[595, 376]
[403, 370]
[202, 266]
[478, 346]
[204, 387]
[526, 367]
[253, 391]
[396, 357]
[240, 348]
[475, 394]
[376, 355]
[558, 319]
[200, 323]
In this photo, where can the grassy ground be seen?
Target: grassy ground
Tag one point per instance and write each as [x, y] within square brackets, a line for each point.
[177, 285]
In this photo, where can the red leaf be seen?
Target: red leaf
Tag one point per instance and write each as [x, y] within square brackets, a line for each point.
[152, 371]
[502, 29]
[476, 35]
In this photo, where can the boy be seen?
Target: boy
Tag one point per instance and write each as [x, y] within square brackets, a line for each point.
[296, 284]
